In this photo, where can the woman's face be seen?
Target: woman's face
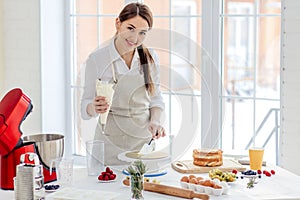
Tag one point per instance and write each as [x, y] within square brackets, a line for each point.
[131, 33]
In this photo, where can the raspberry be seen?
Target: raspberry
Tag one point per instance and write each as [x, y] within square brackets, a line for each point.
[268, 174]
[100, 177]
[272, 172]
[106, 175]
[107, 170]
[259, 171]
[264, 172]
[234, 171]
[111, 177]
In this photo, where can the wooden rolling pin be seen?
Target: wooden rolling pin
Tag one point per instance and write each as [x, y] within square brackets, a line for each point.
[170, 190]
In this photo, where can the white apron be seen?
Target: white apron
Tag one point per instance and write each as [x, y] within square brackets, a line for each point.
[127, 123]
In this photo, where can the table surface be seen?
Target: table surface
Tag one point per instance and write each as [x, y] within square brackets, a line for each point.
[282, 185]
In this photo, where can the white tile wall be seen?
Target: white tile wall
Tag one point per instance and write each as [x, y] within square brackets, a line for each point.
[290, 87]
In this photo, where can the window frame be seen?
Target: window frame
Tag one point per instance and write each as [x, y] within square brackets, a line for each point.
[212, 28]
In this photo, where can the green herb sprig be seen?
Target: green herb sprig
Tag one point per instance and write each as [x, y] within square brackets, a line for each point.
[137, 171]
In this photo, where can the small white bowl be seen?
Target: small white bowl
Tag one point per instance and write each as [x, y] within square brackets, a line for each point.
[225, 187]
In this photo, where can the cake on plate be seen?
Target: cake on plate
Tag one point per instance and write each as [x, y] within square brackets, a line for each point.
[208, 157]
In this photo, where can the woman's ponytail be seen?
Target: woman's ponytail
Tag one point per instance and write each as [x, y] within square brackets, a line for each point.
[145, 57]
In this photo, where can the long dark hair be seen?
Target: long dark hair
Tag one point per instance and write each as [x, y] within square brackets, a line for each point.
[137, 9]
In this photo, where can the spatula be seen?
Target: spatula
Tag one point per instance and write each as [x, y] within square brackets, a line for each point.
[148, 147]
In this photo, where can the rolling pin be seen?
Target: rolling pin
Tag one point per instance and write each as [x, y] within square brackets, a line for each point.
[170, 190]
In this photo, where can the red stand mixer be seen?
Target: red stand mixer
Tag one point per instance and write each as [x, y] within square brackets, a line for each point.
[14, 108]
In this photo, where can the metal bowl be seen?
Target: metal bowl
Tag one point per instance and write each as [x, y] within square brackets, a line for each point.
[50, 146]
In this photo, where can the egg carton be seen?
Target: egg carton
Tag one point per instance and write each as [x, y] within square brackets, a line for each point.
[206, 189]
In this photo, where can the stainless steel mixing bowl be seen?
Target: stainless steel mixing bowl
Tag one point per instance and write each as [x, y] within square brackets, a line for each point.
[49, 145]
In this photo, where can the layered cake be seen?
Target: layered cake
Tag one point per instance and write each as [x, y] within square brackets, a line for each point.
[208, 157]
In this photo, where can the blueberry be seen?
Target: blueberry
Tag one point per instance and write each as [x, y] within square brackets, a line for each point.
[259, 176]
[252, 173]
[51, 187]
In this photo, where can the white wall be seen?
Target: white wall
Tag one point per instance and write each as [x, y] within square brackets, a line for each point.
[290, 88]
[33, 60]
[20, 65]
[1, 48]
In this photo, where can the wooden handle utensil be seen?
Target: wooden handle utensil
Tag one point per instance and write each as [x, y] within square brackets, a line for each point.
[171, 190]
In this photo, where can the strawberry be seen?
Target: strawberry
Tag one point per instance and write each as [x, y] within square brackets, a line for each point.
[272, 172]
[106, 178]
[234, 171]
[264, 172]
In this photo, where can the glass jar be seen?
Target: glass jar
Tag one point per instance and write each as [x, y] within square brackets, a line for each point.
[137, 187]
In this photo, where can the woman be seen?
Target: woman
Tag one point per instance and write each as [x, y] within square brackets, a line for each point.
[134, 116]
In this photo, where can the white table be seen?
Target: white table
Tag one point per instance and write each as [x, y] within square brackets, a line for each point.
[283, 185]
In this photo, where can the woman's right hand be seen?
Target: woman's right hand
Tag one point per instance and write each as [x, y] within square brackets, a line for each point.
[101, 104]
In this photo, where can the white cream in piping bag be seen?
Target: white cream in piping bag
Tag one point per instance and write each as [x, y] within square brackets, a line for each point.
[104, 88]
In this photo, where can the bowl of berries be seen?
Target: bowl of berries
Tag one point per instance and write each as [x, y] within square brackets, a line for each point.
[107, 176]
[51, 188]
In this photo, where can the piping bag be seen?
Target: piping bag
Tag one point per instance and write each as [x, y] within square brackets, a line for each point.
[104, 88]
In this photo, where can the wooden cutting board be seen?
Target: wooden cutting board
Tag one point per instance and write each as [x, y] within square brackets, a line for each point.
[187, 166]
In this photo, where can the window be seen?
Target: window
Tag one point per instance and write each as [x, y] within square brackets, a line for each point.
[239, 39]
[250, 72]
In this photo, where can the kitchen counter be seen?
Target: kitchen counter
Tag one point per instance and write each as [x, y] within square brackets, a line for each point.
[282, 185]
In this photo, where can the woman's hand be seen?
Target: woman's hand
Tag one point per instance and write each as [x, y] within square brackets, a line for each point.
[156, 130]
[101, 104]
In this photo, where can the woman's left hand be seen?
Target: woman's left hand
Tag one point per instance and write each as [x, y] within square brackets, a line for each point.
[156, 130]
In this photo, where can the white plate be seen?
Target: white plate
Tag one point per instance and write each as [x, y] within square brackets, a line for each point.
[148, 175]
[109, 181]
[50, 191]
